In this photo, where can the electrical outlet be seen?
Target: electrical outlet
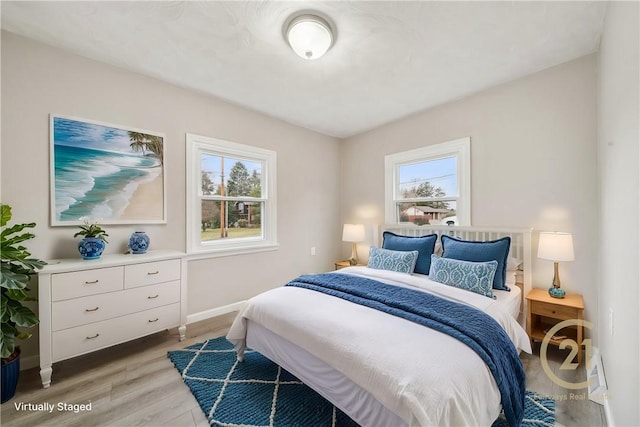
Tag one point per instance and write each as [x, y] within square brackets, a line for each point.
[313, 251]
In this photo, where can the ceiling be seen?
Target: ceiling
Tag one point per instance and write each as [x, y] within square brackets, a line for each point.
[391, 59]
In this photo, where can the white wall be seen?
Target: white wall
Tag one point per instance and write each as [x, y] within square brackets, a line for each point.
[533, 162]
[38, 80]
[618, 141]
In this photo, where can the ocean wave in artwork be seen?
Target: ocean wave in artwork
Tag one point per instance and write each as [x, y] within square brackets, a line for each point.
[98, 183]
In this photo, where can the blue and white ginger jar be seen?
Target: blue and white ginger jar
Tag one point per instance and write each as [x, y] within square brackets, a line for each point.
[139, 242]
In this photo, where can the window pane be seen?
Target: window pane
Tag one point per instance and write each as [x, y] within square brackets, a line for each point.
[239, 219]
[434, 213]
[230, 176]
[433, 178]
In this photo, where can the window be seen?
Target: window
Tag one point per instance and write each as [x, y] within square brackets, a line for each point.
[429, 185]
[231, 197]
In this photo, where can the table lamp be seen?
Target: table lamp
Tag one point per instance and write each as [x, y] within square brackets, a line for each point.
[556, 247]
[353, 233]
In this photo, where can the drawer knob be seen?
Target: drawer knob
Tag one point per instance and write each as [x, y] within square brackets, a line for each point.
[92, 282]
[153, 321]
[154, 273]
[93, 337]
[154, 297]
[91, 309]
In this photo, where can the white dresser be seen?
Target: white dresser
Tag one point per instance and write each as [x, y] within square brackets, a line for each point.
[89, 305]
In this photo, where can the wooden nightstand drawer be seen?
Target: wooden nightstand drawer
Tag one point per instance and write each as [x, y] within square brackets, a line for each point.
[344, 264]
[545, 311]
[554, 311]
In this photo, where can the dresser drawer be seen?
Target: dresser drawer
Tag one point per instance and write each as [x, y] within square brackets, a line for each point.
[87, 282]
[553, 311]
[94, 308]
[151, 272]
[146, 297]
[83, 339]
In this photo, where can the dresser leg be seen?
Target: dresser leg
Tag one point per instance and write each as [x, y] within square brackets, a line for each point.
[45, 376]
[182, 330]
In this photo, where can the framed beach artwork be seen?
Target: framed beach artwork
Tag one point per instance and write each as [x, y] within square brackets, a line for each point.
[110, 173]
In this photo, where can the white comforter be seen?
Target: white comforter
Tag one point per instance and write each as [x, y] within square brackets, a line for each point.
[423, 376]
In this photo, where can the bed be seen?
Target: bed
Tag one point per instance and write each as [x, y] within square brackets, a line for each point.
[382, 369]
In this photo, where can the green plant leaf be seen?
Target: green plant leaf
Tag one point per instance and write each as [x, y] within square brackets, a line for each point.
[11, 280]
[16, 228]
[23, 335]
[34, 263]
[13, 254]
[17, 267]
[12, 245]
[21, 315]
[19, 295]
[5, 216]
[7, 339]
[4, 312]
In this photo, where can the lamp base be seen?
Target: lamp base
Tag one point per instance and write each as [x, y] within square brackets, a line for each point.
[556, 292]
[354, 254]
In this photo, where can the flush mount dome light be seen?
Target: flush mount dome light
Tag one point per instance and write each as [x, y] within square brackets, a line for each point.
[309, 36]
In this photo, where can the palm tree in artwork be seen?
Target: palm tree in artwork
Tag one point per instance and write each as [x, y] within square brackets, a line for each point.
[145, 142]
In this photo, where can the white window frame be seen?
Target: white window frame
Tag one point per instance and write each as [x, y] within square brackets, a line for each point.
[459, 148]
[196, 145]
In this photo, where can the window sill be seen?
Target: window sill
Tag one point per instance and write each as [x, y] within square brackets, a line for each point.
[222, 252]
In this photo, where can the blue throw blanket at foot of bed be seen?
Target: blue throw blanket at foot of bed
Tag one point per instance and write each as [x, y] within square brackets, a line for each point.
[472, 327]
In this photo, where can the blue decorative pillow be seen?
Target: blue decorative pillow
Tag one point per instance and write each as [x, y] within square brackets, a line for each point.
[423, 244]
[473, 276]
[465, 250]
[384, 259]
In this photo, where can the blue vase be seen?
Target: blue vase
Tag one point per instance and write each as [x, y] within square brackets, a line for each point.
[139, 242]
[10, 375]
[91, 247]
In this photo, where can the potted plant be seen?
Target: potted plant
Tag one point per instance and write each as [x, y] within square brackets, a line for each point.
[93, 243]
[17, 269]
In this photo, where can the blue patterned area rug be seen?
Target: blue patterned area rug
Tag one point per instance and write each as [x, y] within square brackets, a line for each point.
[257, 392]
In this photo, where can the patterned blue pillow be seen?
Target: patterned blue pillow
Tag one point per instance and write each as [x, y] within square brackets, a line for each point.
[385, 259]
[467, 250]
[473, 276]
[423, 244]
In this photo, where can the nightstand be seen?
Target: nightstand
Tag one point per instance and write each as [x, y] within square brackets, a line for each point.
[545, 311]
[343, 264]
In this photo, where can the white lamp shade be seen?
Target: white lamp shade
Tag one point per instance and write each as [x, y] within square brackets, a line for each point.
[309, 36]
[555, 246]
[353, 233]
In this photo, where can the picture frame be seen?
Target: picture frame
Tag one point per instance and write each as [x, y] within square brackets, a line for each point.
[109, 173]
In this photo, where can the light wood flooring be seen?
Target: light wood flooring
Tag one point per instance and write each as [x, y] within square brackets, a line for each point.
[135, 384]
[573, 407]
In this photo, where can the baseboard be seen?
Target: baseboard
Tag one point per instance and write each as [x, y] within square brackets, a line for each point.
[601, 393]
[597, 382]
[214, 312]
[608, 413]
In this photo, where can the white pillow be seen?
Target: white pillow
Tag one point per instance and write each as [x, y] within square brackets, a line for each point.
[513, 263]
[510, 278]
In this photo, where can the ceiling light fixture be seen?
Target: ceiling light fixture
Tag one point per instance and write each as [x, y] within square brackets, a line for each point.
[310, 36]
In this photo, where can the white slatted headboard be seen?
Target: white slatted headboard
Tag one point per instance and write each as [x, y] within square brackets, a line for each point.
[520, 245]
